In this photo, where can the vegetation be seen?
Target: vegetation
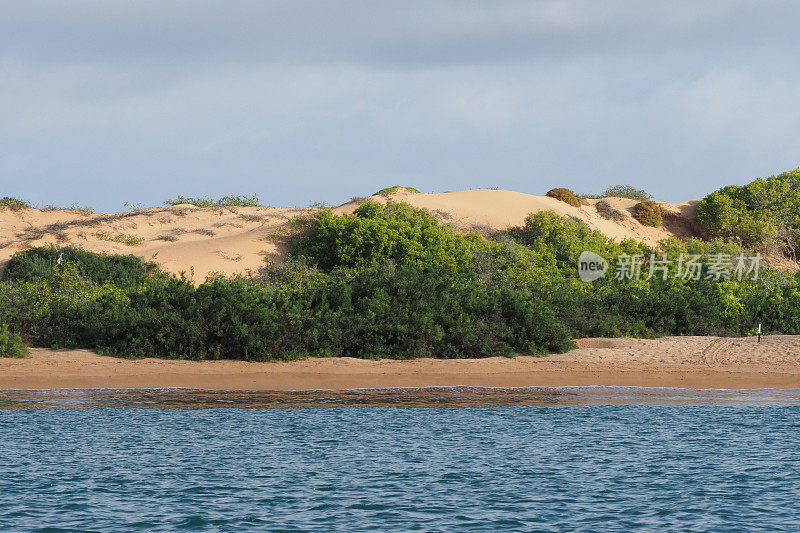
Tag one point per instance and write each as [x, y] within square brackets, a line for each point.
[390, 281]
[14, 204]
[225, 201]
[122, 238]
[81, 210]
[11, 344]
[124, 271]
[627, 191]
[134, 207]
[648, 213]
[388, 191]
[565, 195]
[375, 234]
[606, 211]
[762, 214]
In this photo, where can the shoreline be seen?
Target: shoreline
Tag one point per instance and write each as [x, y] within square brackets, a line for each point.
[673, 362]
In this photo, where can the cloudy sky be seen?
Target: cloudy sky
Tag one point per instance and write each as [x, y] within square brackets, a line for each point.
[105, 101]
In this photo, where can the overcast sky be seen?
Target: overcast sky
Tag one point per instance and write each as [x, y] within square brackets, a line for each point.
[108, 101]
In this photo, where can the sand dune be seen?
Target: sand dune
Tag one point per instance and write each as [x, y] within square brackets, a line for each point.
[696, 362]
[497, 210]
[200, 241]
[182, 238]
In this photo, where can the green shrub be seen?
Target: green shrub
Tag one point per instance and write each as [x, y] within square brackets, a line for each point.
[565, 195]
[388, 191]
[648, 213]
[563, 240]
[627, 191]
[376, 233]
[225, 201]
[198, 201]
[14, 204]
[759, 214]
[122, 238]
[11, 344]
[41, 262]
[239, 201]
[81, 210]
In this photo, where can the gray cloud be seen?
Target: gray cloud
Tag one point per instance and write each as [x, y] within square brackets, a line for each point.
[300, 101]
[399, 32]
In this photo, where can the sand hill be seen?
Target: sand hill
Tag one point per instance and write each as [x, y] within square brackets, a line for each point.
[200, 241]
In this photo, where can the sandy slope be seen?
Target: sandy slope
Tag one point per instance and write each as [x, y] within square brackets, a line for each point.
[181, 238]
[697, 362]
[496, 209]
[235, 240]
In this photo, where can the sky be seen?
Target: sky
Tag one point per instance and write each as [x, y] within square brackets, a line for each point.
[105, 102]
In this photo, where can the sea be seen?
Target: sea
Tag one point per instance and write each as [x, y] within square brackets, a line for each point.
[430, 459]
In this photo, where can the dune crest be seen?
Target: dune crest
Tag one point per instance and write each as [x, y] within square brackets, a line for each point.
[491, 209]
[235, 240]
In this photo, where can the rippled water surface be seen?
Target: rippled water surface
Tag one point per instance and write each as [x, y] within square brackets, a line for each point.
[406, 459]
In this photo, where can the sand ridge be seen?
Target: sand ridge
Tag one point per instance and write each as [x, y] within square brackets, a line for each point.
[237, 240]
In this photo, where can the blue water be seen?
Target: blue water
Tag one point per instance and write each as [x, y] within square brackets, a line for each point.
[590, 459]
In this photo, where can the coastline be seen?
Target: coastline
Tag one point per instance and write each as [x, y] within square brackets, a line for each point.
[684, 362]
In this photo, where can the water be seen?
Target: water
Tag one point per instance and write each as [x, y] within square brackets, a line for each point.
[470, 459]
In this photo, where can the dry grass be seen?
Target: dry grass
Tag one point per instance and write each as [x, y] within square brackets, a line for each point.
[122, 238]
[606, 211]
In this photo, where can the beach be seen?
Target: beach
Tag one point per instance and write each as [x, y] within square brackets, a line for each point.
[691, 362]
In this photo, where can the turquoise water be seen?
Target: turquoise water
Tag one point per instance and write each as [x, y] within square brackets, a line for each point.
[401, 460]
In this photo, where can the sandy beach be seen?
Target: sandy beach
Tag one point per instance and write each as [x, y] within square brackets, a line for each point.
[693, 362]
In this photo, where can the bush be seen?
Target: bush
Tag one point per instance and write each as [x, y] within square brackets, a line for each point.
[11, 344]
[608, 212]
[565, 195]
[13, 203]
[41, 262]
[225, 201]
[761, 214]
[81, 209]
[376, 233]
[388, 191]
[627, 191]
[648, 213]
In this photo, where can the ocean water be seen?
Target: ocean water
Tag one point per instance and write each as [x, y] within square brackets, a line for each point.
[585, 459]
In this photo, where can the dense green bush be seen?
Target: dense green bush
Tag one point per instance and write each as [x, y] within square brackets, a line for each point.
[648, 213]
[760, 214]
[376, 233]
[562, 240]
[565, 195]
[11, 344]
[40, 262]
